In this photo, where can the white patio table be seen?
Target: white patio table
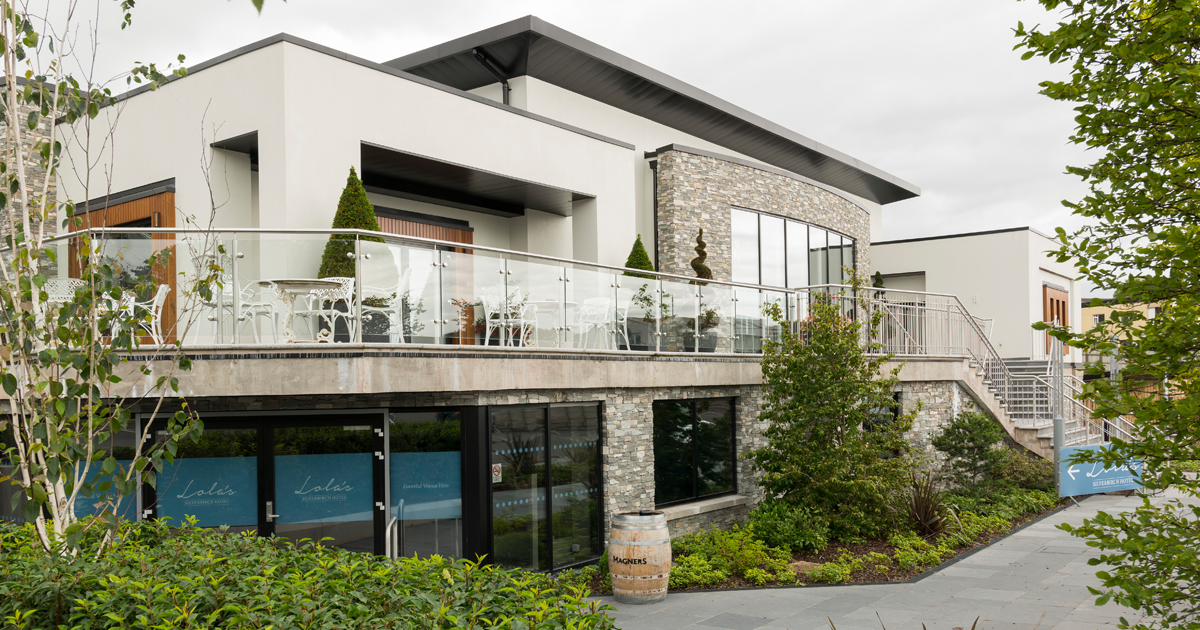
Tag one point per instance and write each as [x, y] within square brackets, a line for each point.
[288, 289]
[554, 307]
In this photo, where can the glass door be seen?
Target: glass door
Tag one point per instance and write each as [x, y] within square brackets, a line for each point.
[213, 480]
[326, 482]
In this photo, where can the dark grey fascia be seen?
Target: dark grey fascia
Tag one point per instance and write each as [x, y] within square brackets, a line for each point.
[963, 235]
[125, 196]
[536, 48]
[303, 43]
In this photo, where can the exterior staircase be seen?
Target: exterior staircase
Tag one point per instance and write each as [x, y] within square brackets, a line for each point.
[937, 339]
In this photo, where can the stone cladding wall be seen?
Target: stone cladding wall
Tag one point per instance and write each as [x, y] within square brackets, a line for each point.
[720, 519]
[628, 430]
[35, 177]
[696, 191]
[940, 401]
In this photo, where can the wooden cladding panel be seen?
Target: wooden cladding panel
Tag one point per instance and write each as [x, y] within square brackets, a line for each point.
[1055, 307]
[424, 230]
[160, 209]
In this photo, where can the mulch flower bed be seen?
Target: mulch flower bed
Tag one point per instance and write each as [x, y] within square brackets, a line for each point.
[803, 562]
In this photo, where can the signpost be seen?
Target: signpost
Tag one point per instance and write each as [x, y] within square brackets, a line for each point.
[1077, 479]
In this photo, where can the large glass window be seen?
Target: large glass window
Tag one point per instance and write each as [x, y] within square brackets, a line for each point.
[797, 255]
[818, 260]
[545, 485]
[425, 493]
[835, 258]
[774, 258]
[781, 252]
[693, 449]
[745, 246]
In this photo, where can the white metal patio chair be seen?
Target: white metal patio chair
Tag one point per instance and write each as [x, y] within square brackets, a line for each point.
[594, 314]
[253, 306]
[505, 315]
[393, 310]
[151, 322]
[60, 290]
[323, 307]
[621, 324]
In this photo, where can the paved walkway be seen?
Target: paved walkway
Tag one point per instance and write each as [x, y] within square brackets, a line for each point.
[1036, 578]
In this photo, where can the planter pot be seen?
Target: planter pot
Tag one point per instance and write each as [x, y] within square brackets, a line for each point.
[639, 557]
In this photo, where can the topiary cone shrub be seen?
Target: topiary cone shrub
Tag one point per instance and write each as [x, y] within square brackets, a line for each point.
[354, 212]
[639, 259]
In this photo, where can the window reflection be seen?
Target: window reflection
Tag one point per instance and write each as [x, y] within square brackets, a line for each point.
[835, 258]
[797, 255]
[745, 246]
[773, 254]
[817, 260]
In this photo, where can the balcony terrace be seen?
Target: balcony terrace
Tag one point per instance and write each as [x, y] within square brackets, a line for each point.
[421, 315]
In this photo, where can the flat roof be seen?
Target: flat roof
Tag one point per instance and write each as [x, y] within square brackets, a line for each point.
[963, 235]
[530, 46]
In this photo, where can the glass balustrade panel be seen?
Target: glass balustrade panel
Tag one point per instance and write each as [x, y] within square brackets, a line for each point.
[590, 300]
[534, 309]
[392, 312]
[282, 288]
[772, 328]
[716, 318]
[680, 306]
[748, 321]
[473, 293]
[637, 312]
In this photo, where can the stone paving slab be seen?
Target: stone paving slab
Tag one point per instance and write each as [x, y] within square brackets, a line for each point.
[1036, 578]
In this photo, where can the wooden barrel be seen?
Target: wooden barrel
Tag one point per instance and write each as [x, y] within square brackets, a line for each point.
[639, 557]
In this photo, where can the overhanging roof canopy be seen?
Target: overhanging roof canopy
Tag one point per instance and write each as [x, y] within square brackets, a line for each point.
[412, 176]
[532, 47]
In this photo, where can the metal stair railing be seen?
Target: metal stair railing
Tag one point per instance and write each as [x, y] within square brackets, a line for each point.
[916, 323]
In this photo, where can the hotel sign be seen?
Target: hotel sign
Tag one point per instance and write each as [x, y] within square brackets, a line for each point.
[1077, 479]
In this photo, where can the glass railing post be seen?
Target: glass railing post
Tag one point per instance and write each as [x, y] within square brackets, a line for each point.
[219, 259]
[235, 280]
[696, 322]
[658, 316]
[439, 309]
[506, 333]
[356, 309]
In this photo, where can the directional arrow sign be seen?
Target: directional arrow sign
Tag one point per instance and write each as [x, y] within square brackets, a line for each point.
[1077, 479]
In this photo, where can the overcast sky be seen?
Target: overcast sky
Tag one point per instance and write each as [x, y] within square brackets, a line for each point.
[929, 90]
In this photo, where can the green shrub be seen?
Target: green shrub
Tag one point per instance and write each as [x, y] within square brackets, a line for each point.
[354, 212]
[1026, 471]
[695, 570]
[1008, 504]
[926, 510]
[829, 573]
[970, 526]
[639, 259]
[914, 553]
[159, 577]
[969, 441]
[734, 551]
[792, 527]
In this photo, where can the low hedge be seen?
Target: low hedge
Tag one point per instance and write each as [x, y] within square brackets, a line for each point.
[159, 577]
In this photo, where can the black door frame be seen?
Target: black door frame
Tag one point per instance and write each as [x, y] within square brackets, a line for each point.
[265, 424]
[486, 452]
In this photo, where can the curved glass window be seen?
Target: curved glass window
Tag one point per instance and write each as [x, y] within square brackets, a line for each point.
[781, 252]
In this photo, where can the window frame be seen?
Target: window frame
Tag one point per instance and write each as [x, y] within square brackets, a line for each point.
[847, 242]
[695, 463]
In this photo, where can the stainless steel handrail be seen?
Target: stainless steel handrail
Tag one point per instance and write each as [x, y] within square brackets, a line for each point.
[402, 239]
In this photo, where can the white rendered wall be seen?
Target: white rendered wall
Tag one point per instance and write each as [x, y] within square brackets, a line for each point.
[989, 274]
[163, 134]
[997, 276]
[323, 141]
